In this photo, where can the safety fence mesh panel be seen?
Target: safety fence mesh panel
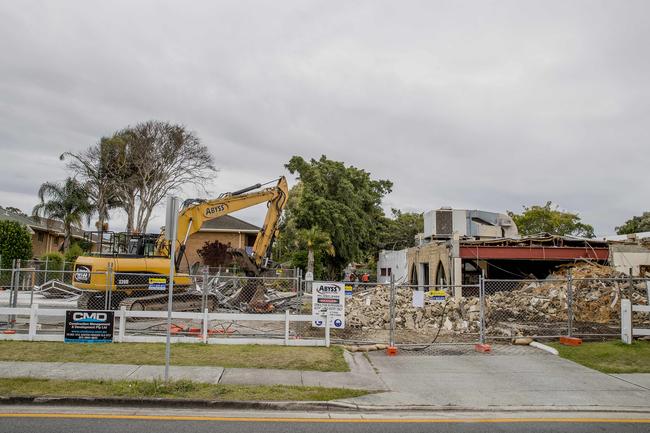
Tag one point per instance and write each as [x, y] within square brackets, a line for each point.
[515, 308]
[596, 306]
[367, 314]
[432, 315]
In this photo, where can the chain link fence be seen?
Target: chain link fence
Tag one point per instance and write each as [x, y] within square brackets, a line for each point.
[397, 314]
[516, 308]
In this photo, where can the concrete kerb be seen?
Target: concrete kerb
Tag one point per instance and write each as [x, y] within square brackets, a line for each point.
[300, 406]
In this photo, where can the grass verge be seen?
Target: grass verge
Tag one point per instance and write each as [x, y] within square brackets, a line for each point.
[609, 356]
[228, 356]
[182, 389]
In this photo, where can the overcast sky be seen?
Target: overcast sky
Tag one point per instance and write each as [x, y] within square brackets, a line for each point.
[483, 105]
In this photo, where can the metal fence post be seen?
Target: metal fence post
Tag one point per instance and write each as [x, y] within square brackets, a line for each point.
[11, 283]
[204, 289]
[46, 264]
[327, 329]
[391, 312]
[631, 288]
[109, 287]
[31, 287]
[13, 296]
[481, 295]
[569, 295]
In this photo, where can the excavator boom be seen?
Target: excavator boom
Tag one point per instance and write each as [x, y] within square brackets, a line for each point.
[196, 212]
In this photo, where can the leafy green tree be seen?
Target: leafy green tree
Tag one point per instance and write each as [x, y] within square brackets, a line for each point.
[400, 231]
[549, 219]
[73, 252]
[636, 224]
[343, 201]
[68, 202]
[15, 243]
[314, 239]
[298, 259]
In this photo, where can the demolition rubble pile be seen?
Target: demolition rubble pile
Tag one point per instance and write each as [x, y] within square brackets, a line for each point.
[597, 291]
[371, 310]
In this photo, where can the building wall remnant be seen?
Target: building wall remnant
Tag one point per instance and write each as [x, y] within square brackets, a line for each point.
[626, 256]
[392, 263]
[433, 257]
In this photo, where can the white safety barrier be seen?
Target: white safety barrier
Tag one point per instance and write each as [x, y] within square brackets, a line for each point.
[628, 332]
[120, 333]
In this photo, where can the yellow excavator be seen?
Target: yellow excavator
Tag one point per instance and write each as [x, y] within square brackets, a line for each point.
[140, 263]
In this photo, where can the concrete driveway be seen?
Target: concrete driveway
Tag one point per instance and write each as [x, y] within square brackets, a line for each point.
[534, 379]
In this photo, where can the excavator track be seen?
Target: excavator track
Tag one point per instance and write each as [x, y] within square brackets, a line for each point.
[182, 301]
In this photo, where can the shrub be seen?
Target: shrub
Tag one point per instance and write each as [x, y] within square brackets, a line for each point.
[73, 252]
[215, 254]
[15, 243]
[54, 263]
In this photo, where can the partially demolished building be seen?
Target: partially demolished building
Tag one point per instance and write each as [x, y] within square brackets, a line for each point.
[458, 245]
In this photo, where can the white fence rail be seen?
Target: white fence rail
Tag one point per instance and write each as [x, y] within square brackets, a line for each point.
[35, 313]
[628, 331]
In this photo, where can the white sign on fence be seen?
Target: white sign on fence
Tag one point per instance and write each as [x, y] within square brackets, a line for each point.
[328, 299]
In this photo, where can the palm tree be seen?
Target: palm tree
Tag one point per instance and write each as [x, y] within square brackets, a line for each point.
[314, 239]
[68, 202]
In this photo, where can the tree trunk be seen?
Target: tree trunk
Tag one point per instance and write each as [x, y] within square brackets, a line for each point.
[145, 221]
[310, 260]
[130, 210]
[68, 235]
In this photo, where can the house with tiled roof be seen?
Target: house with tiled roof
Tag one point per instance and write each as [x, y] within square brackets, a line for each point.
[47, 234]
[226, 229]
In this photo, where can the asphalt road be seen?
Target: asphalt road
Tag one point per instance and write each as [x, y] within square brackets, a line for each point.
[83, 423]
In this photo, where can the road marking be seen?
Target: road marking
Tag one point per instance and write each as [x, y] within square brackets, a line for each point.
[324, 420]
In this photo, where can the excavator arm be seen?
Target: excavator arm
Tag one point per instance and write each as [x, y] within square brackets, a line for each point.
[196, 212]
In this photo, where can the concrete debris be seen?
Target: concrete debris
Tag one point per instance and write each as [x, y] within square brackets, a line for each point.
[454, 315]
[514, 309]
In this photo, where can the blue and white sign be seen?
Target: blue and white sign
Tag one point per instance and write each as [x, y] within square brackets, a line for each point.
[328, 300]
[89, 326]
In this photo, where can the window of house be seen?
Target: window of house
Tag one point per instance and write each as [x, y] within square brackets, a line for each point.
[382, 272]
[389, 271]
[40, 236]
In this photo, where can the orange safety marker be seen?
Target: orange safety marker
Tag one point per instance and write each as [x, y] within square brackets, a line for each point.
[570, 341]
[391, 351]
[220, 331]
[485, 348]
[9, 331]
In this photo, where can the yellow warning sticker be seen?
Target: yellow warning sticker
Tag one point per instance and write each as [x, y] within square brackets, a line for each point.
[157, 283]
[437, 295]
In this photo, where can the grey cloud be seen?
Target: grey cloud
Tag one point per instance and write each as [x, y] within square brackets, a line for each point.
[473, 104]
